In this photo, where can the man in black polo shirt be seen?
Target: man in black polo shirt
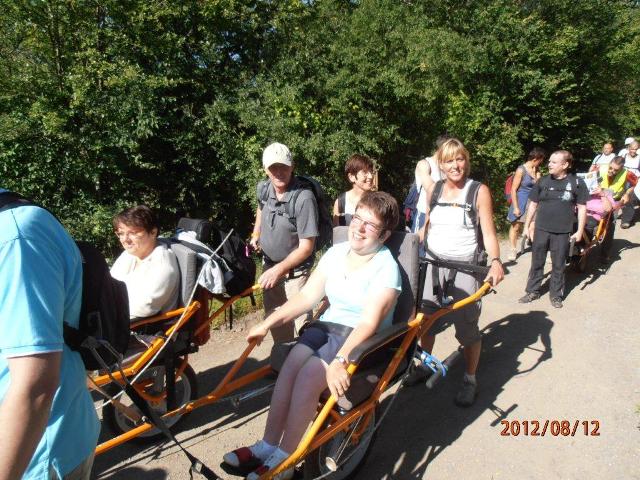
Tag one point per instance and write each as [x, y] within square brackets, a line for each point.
[287, 246]
[555, 199]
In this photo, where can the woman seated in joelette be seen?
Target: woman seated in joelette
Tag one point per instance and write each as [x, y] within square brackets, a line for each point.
[362, 281]
[148, 268]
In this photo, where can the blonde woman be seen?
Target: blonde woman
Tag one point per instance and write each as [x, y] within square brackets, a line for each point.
[458, 209]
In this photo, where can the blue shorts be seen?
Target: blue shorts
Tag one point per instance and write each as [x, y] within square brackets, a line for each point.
[325, 339]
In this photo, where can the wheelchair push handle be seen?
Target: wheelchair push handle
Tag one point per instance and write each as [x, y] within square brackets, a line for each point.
[572, 247]
[446, 364]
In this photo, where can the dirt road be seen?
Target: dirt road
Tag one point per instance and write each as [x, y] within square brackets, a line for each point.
[579, 364]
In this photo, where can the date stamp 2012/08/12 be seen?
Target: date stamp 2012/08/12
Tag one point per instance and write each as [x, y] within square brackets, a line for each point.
[555, 428]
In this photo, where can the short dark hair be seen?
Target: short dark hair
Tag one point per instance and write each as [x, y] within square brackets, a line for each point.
[537, 152]
[383, 206]
[139, 216]
[618, 160]
[357, 162]
[567, 156]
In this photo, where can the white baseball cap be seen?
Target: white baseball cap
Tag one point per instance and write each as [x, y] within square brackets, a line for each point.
[276, 153]
[629, 140]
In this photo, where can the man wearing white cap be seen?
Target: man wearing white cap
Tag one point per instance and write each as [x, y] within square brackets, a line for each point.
[285, 230]
[625, 150]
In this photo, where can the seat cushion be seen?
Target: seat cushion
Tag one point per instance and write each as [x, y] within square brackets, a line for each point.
[188, 264]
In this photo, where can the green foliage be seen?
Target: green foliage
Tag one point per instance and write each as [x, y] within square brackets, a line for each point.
[108, 104]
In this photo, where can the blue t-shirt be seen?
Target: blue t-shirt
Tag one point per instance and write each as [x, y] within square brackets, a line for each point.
[40, 287]
[349, 293]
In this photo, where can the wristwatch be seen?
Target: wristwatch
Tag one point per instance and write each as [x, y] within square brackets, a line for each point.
[341, 360]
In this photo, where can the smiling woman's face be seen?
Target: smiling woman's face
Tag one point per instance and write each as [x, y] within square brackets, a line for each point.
[363, 179]
[365, 232]
[454, 168]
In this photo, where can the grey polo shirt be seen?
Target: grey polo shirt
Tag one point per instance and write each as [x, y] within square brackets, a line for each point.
[278, 236]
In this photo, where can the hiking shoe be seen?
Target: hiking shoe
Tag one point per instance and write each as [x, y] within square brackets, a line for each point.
[467, 394]
[513, 255]
[556, 302]
[529, 297]
[419, 374]
[625, 225]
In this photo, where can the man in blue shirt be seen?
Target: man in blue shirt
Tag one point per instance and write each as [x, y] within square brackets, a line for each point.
[47, 419]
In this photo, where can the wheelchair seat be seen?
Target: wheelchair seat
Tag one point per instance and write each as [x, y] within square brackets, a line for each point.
[404, 248]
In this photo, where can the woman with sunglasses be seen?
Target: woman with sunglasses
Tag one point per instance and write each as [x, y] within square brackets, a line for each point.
[362, 281]
[147, 267]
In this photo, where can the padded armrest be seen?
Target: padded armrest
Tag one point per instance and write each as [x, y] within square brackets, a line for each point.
[380, 339]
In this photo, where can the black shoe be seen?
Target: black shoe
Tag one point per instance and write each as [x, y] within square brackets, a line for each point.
[529, 297]
[419, 374]
[467, 394]
[556, 302]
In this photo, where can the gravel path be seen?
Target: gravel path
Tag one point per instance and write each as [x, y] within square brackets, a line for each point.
[579, 364]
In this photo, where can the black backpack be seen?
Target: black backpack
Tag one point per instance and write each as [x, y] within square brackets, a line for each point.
[325, 221]
[102, 335]
[234, 251]
[470, 206]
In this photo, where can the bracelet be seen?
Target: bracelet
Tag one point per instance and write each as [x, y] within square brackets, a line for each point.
[494, 259]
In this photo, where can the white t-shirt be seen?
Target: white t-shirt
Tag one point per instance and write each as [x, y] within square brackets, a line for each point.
[349, 292]
[152, 283]
[602, 159]
[451, 231]
[632, 163]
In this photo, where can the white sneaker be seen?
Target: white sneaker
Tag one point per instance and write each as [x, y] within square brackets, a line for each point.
[275, 459]
[513, 255]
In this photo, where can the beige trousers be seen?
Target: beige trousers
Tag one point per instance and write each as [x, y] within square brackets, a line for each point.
[274, 297]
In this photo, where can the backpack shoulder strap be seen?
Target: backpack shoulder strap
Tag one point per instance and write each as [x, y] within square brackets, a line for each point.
[472, 201]
[435, 195]
[290, 207]
[342, 206]
[263, 192]
[342, 203]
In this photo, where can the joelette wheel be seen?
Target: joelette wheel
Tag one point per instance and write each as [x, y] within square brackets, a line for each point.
[347, 451]
[152, 386]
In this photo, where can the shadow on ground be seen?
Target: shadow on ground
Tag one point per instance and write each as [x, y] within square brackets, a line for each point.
[422, 423]
[594, 270]
[119, 463]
